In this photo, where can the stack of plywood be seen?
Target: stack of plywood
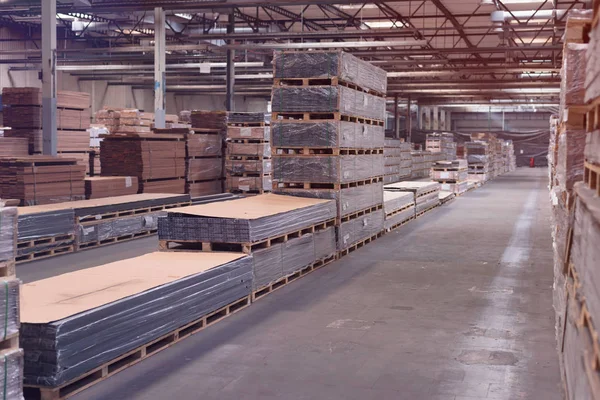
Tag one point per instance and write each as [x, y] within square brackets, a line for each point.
[157, 160]
[97, 187]
[328, 137]
[12, 366]
[248, 160]
[451, 175]
[14, 147]
[442, 143]
[425, 194]
[490, 158]
[397, 160]
[41, 179]
[215, 120]
[284, 234]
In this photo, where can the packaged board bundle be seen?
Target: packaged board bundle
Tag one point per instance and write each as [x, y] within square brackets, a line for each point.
[420, 168]
[328, 133]
[397, 160]
[426, 194]
[152, 295]
[247, 119]
[41, 179]
[216, 120]
[8, 239]
[592, 70]
[110, 118]
[360, 228]
[11, 374]
[109, 186]
[14, 146]
[452, 175]
[157, 160]
[441, 143]
[398, 207]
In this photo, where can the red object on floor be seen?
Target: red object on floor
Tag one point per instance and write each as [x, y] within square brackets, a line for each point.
[532, 162]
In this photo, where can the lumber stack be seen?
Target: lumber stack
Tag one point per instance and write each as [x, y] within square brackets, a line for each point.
[97, 133]
[399, 208]
[41, 179]
[215, 120]
[109, 186]
[151, 297]
[451, 175]
[14, 146]
[109, 118]
[132, 120]
[397, 160]
[441, 143]
[12, 367]
[328, 136]
[478, 156]
[284, 234]
[248, 164]
[425, 194]
[157, 160]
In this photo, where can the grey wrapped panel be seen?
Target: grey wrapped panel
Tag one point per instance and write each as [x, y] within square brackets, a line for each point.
[427, 202]
[477, 159]
[59, 351]
[46, 224]
[329, 64]
[298, 253]
[387, 179]
[326, 168]
[360, 228]
[392, 160]
[325, 243]
[203, 169]
[327, 134]
[348, 200]
[8, 233]
[328, 99]
[267, 266]
[9, 307]
[394, 201]
[11, 374]
[238, 167]
[399, 218]
[263, 183]
[246, 117]
[123, 226]
[249, 132]
[392, 170]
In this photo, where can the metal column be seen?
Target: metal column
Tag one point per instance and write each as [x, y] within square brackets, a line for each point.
[442, 123]
[230, 101]
[435, 122]
[408, 122]
[449, 120]
[396, 117]
[160, 61]
[49, 77]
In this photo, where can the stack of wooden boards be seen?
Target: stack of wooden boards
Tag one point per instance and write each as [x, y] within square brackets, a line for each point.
[425, 194]
[157, 160]
[248, 162]
[41, 179]
[574, 156]
[14, 146]
[441, 143]
[97, 133]
[204, 156]
[54, 229]
[397, 160]
[328, 136]
[451, 175]
[11, 369]
[97, 187]
[23, 113]
[399, 208]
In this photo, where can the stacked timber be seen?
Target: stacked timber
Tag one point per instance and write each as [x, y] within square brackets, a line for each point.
[12, 367]
[478, 155]
[287, 236]
[14, 146]
[185, 117]
[248, 164]
[397, 160]
[97, 187]
[41, 179]
[154, 300]
[509, 159]
[425, 194]
[451, 175]
[132, 120]
[441, 143]
[216, 120]
[399, 208]
[157, 160]
[97, 133]
[110, 118]
[493, 153]
[328, 137]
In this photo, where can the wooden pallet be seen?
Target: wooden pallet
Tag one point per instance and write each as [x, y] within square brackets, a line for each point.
[396, 212]
[270, 288]
[398, 225]
[331, 81]
[129, 213]
[421, 213]
[116, 239]
[40, 255]
[311, 151]
[247, 248]
[322, 117]
[325, 186]
[359, 213]
[46, 240]
[591, 177]
[132, 357]
[359, 244]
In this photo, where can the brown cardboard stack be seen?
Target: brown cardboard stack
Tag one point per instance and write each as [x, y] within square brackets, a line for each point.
[397, 160]
[248, 161]
[328, 138]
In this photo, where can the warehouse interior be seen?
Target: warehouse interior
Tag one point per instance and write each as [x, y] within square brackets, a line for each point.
[242, 199]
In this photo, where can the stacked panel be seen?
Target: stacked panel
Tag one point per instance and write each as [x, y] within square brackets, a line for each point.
[451, 175]
[425, 194]
[478, 156]
[397, 160]
[441, 143]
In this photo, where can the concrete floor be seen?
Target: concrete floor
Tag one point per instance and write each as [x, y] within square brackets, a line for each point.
[455, 305]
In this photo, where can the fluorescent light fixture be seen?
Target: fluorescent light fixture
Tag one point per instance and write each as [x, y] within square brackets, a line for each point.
[384, 24]
[501, 16]
[328, 45]
[355, 6]
[184, 16]
[491, 2]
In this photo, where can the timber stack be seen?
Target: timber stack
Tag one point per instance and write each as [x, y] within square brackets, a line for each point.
[328, 137]
[451, 175]
[248, 163]
[397, 160]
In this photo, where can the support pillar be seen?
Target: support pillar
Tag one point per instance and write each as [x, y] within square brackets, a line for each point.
[160, 61]
[396, 117]
[230, 91]
[443, 120]
[408, 119]
[426, 118]
[49, 136]
[435, 121]
[448, 120]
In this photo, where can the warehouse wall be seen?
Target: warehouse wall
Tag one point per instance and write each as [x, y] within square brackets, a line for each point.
[513, 121]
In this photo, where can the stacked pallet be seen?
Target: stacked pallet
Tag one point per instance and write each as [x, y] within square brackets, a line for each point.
[287, 236]
[420, 168]
[12, 366]
[98, 187]
[425, 194]
[41, 179]
[441, 143]
[451, 175]
[399, 208]
[478, 156]
[157, 160]
[328, 137]
[248, 164]
[397, 160]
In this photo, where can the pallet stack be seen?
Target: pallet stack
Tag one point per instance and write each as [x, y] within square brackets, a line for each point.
[426, 195]
[110, 118]
[451, 175]
[420, 168]
[328, 137]
[397, 160]
[399, 208]
[157, 160]
[248, 165]
[12, 366]
[135, 121]
[441, 143]
[478, 155]
[97, 133]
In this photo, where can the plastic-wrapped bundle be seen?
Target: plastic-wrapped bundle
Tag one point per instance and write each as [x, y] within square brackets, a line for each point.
[449, 175]
[9, 307]
[392, 170]
[458, 187]
[592, 147]
[394, 201]
[244, 220]
[418, 188]
[198, 189]
[216, 120]
[592, 74]
[327, 168]
[392, 178]
[8, 233]
[399, 218]
[11, 374]
[328, 64]
[150, 296]
[249, 149]
[185, 116]
[250, 183]
[203, 169]
[569, 162]
[204, 145]
[35, 225]
[238, 167]
[328, 99]
[123, 226]
[249, 132]
[360, 228]
[348, 200]
[246, 117]
[327, 134]
[572, 91]
[426, 202]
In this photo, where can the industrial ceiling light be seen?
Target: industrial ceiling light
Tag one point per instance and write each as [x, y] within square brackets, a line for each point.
[327, 45]
[491, 2]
